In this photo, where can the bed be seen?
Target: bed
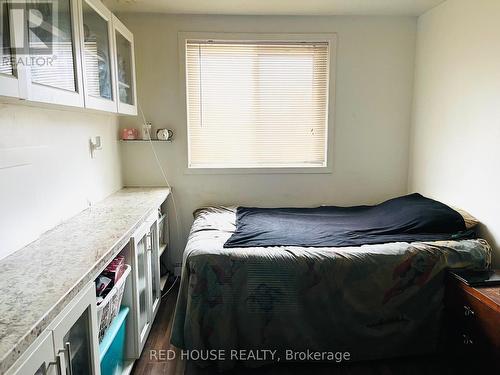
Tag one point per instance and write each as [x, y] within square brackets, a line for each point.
[373, 301]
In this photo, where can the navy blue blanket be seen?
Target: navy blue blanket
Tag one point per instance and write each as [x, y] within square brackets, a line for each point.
[405, 219]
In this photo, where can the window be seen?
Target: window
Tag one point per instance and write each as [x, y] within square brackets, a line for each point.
[257, 104]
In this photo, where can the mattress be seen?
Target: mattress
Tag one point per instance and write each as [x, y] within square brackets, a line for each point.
[373, 301]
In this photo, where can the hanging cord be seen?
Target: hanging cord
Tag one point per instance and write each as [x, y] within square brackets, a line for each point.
[171, 287]
[176, 214]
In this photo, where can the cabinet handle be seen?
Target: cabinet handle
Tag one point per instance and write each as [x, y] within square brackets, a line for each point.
[67, 351]
[468, 311]
[149, 241]
[58, 365]
[67, 347]
[467, 339]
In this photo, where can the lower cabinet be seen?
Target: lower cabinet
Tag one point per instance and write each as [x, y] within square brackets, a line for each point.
[39, 359]
[69, 346]
[146, 276]
[75, 334]
[155, 267]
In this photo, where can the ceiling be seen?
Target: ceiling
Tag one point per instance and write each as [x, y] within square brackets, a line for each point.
[276, 7]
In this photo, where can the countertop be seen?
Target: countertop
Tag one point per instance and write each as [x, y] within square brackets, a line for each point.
[37, 281]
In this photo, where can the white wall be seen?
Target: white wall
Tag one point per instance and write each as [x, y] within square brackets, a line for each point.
[46, 173]
[375, 57]
[455, 154]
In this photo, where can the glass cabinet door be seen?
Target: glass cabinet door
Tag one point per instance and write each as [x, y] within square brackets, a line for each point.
[12, 75]
[97, 52]
[75, 336]
[42, 370]
[55, 67]
[125, 68]
[155, 268]
[123, 57]
[6, 55]
[77, 351]
[40, 360]
[146, 280]
[143, 288]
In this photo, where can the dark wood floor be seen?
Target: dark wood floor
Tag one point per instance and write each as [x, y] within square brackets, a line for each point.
[160, 335]
[159, 339]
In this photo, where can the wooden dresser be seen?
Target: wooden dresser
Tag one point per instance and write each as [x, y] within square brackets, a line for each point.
[472, 320]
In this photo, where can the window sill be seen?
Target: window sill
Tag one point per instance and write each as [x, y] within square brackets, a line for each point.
[243, 171]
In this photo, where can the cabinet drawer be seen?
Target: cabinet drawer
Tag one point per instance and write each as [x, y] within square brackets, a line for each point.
[470, 314]
[473, 332]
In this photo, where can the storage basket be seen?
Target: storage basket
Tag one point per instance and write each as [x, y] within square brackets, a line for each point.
[109, 307]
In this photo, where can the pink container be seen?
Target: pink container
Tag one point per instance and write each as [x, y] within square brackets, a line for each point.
[131, 133]
[115, 269]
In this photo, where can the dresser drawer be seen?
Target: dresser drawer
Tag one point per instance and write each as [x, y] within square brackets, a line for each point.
[472, 325]
[472, 315]
[462, 341]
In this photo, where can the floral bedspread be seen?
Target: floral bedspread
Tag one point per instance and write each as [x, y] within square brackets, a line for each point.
[374, 301]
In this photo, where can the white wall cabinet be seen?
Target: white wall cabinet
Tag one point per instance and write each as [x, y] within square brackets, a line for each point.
[55, 76]
[81, 55]
[12, 75]
[125, 68]
[97, 46]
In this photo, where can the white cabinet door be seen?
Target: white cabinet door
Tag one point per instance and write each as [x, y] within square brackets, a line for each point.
[155, 268]
[97, 56]
[125, 68]
[146, 280]
[39, 359]
[75, 335]
[142, 287]
[55, 74]
[67, 52]
[13, 81]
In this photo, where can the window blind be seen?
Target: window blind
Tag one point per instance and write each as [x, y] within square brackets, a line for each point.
[257, 104]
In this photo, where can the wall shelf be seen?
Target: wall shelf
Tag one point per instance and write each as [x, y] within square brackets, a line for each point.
[143, 141]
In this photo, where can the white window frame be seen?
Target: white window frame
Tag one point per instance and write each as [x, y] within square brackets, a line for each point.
[330, 38]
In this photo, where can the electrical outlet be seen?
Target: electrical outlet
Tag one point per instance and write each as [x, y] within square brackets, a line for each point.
[177, 269]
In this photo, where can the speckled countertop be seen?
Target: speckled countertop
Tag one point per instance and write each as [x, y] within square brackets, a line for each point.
[37, 281]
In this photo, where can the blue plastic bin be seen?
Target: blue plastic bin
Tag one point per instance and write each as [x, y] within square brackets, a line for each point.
[112, 346]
